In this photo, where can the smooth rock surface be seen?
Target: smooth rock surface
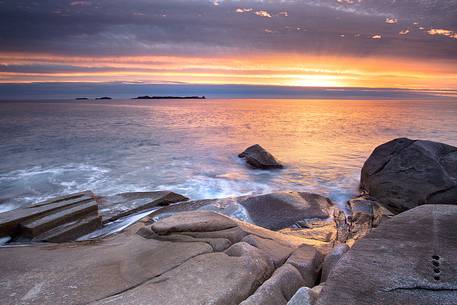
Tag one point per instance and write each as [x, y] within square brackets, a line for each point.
[278, 289]
[408, 260]
[258, 157]
[190, 258]
[332, 259]
[404, 173]
[303, 296]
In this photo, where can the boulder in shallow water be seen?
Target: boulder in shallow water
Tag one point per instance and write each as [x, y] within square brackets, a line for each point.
[258, 157]
[409, 259]
[404, 173]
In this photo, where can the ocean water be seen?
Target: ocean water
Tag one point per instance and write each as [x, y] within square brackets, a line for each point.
[49, 148]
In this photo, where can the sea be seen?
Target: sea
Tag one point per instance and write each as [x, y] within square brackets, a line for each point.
[54, 147]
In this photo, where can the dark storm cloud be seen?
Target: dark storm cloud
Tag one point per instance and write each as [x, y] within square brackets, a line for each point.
[173, 27]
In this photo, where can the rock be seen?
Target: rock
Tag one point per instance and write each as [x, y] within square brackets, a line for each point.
[72, 230]
[310, 217]
[281, 210]
[318, 289]
[258, 157]
[193, 222]
[303, 296]
[278, 253]
[42, 274]
[366, 214]
[307, 260]
[273, 211]
[278, 289]
[34, 227]
[332, 259]
[124, 204]
[408, 260]
[146, 268]
[404, 173]
[10, 221]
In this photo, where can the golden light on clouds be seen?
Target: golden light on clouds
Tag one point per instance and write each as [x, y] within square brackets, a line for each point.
[275, 69]
[443, 32]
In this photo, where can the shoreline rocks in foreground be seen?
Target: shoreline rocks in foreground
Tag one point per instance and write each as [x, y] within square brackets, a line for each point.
[189, 258]
[276, 249]
[257, 157]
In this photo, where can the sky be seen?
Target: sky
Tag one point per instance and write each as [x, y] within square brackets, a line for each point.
[404, 44]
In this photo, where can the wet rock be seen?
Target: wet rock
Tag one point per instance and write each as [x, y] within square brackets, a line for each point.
[124, 204]
[258, 157]
[273, 211]
[281, 210]
[332, 259]
[10, 221]
[404, 173]
[310, 217]
[408, 260]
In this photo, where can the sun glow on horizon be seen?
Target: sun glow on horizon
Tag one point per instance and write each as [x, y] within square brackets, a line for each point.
[262, 69]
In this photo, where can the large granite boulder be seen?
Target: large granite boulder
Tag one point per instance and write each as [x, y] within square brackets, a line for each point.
[408, 260]
[404, 173]
[258, 157]
[186, 259]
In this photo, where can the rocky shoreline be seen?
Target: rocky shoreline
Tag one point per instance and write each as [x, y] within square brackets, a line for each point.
[395, 243]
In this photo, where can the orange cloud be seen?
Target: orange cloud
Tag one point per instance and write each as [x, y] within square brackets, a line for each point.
[443, 32]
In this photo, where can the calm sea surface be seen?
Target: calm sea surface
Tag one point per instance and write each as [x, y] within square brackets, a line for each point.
[191, 147]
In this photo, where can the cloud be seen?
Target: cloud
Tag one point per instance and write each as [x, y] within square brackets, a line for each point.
[243, 10]
[377, 36]
[391, 20]
[443, 32]
[194, 27]
[263, 14]
[404, 32]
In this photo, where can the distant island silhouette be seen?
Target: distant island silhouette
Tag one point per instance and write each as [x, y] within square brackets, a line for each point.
[147, 97]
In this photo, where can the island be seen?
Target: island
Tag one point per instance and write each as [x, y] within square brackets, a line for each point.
[147, 97]
[104, 98]
[81, 98]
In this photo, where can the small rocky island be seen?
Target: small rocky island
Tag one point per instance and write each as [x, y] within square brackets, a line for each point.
[147, 97]
[394, 243]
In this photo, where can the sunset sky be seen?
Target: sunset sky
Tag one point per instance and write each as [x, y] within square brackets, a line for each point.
[329, 43]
